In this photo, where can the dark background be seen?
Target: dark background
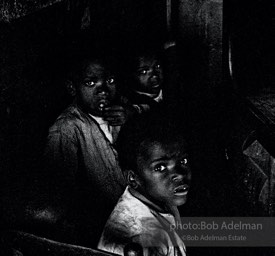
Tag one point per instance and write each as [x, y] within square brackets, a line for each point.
[35, 37]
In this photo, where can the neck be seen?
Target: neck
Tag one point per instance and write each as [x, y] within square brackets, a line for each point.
[87, 111]
[163, 209]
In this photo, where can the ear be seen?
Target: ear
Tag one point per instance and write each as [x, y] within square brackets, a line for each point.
[132, 179]
[70, 88]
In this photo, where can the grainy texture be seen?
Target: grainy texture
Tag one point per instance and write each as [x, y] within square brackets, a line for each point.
[34, 245]
[202, 21]
[34, 41]
[10, 10]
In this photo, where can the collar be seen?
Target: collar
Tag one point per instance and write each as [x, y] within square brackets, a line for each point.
[170, 210]
[99, 120]
[157, 98]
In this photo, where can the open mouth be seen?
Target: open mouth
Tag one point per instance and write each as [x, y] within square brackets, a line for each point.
[103, 103]
[102, 106]
[155, 85]
[104, 100]
[181, 190]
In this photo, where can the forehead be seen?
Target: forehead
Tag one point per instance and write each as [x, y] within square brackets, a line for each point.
[148, 59]
[156, 149]
[93, 68]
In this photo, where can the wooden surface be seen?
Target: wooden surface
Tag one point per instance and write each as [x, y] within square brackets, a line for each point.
[29, 244]
[202, 20]
[263, 105]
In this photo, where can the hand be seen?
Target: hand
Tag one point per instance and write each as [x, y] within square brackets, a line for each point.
[117, 115]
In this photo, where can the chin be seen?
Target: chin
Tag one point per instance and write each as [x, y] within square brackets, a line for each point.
[96, 113]
[180, 201]
[156, 91]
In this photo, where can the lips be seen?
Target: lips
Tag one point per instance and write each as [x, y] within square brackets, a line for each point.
[103, 100]
[102, 104]
[181, 190]
[155, 84]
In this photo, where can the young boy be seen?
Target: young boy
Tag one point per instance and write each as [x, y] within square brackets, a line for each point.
[153, 156]
[80, 153]
[145, 82]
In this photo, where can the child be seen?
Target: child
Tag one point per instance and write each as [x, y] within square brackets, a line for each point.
[145, 82]
[153, 156]
[80, 153]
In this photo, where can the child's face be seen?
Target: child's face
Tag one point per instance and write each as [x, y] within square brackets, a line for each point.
[164, 173]
[97, 89]
[149, 75]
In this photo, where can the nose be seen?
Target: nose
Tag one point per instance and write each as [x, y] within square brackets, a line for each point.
[102, 86]
[177, 177]
[178, 173]
[154, 73]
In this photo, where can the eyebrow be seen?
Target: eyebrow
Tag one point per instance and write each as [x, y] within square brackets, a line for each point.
[89, 78]
[142, 67]
[166, 158]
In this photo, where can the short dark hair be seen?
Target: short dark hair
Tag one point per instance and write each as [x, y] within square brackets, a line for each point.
[146, 128]
[146, 50]
[80, 58]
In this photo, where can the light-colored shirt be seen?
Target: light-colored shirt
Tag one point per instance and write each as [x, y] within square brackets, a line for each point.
[105, 127]
[84, 165]
[157, 98]
[136, 219]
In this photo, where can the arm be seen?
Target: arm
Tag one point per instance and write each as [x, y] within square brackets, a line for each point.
[60, 167]
[61, 157]
[151, 245]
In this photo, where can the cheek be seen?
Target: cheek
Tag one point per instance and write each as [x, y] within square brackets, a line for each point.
[86, 92]
[143, 81]
[189, 175]
[113, 90]
[150, 183]
[86, 96]
[82, 95]
[140, 79]
[161, 184]
[160, 74]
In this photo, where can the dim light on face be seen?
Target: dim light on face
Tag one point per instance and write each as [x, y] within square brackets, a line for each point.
[149, 75]
[97, 89]
[165, 173]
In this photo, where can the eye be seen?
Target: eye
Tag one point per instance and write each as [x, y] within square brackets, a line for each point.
[110, 80]
[142, 71]
[158, 67]
[160, 168]
[90, 83]
[184, 161]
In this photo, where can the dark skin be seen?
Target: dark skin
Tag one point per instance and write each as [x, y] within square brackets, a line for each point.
[149, 75]
[117, 115]
[163, 174]
[96, 93]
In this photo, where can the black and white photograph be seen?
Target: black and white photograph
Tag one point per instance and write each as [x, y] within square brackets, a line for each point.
[137, 127]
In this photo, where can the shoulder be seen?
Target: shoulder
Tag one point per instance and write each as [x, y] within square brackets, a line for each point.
[130, 218]
[128, 215]
[70, 120]
[132, 222]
